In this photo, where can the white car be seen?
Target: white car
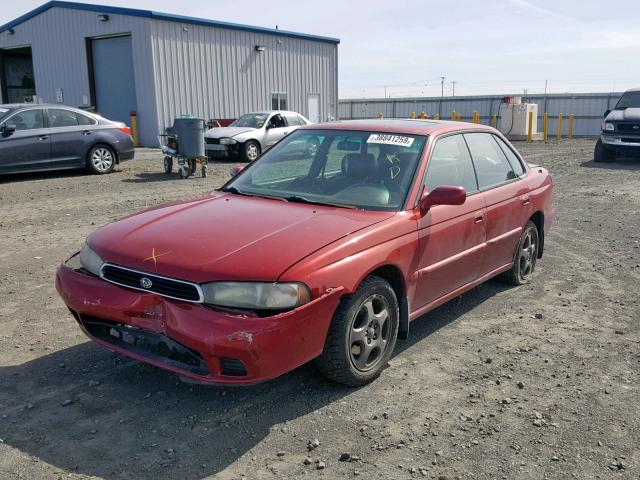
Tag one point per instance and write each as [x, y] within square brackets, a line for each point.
[251, 134]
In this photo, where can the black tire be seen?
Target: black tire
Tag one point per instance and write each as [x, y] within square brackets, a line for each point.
[525, 257]
[101, 159]
[603, 154]
[353, 334]
[193, 165]
[183, 171]
[204, 171]
[251, 151]
[168, 164]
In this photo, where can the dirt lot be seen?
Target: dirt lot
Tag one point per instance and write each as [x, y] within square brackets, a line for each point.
[515, 383]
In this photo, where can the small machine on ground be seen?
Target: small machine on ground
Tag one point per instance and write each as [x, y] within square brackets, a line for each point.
[184, 142]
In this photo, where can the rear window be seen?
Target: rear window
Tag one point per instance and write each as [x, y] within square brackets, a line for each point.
[85, 120]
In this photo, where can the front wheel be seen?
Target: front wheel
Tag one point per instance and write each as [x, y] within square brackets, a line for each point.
[250, 151]
[362, 334]
[101, 159]
[602, 153]
[168, 164]
[525, 257]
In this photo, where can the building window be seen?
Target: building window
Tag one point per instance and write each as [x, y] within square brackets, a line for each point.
[278, 101]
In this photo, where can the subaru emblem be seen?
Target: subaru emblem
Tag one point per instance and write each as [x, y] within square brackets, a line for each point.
[146, 283]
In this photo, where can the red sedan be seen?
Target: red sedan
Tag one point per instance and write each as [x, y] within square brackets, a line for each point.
[324, 249]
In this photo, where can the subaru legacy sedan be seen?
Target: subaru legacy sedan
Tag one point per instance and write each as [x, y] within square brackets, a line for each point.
[324, 256]
[38, 137]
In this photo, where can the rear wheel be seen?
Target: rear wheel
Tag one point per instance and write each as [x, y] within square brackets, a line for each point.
[362, 334]
[101, 159]
[525, 257]
[602, 153]
[250, 151]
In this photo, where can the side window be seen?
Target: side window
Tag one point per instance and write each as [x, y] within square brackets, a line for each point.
[27, 120]
[277, 121]
[85, 120]
[515, 162]
[492, 166]
[62, 118]
[450, 164]
[292, 120]
[301, 121]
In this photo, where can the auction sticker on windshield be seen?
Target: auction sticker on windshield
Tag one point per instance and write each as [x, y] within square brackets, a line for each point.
[387, 139]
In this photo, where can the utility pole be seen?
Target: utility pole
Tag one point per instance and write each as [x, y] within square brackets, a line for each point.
[385, 91]
[453, 88]
[545, 87]
[442, 86]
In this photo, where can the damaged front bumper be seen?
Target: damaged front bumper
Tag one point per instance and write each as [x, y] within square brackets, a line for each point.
[193, 340]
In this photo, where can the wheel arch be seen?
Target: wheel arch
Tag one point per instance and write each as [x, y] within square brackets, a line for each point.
[394, 276]
[538, 220]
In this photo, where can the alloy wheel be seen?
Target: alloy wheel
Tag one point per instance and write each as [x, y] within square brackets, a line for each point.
[370, 333]
[252, 151]
[527, 254]
[102, 159]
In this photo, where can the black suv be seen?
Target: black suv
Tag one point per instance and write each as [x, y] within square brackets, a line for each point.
[620, 129]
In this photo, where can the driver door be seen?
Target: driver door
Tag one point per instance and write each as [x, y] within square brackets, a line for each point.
[29, 146]
[452, 237]
[276, 130]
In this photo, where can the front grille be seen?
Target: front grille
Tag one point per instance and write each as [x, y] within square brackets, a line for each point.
[151, 345]
[212, 141]
[629, 127]
[167, 287]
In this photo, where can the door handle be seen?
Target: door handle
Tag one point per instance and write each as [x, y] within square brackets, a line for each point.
[43, 137]
[479, 218]
[525, 200]
[86, 132]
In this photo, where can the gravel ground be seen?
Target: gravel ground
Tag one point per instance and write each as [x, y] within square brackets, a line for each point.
[533, 382]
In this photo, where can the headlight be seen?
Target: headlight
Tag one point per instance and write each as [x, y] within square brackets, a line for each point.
[90, 260]
[608, 126]
[256, 295]
[227, 141]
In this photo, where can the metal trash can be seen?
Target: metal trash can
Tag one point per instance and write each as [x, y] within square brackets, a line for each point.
[190, 136]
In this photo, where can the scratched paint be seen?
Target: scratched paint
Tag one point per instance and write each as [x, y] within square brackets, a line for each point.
[246, 336]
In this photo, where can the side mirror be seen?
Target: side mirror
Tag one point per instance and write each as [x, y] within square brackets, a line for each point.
[442, 195]
[8, 130]
[607, 113]
[233, 171]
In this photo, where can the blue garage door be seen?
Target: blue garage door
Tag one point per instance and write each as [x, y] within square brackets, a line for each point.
[113, 80]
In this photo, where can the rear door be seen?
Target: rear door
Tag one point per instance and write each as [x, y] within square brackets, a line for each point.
[28, 148]
[68, 137]
[506, 196]
[451, 236]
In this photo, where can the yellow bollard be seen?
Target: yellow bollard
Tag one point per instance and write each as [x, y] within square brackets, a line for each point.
[381, 115]
[494, 121]
[530, 128]
[422, 116]
[476, 117]
[559, 129]
[571, 126]
[459, 117]
[545, 126]
[134, 127]
[437, 117]
[413, 115]
[453, 116]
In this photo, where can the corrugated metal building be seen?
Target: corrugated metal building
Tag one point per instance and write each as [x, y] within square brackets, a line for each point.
[587, 108]
[162, 66]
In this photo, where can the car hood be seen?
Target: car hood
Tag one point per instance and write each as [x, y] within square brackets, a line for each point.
[226, 132]
[226, 237]
[628, 114]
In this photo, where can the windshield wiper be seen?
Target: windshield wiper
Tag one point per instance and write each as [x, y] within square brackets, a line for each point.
[235, 191]
[301, 199]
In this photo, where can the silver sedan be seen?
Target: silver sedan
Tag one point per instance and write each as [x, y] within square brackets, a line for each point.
[251, 134]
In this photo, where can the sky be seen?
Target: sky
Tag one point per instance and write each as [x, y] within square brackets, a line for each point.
[402, 48]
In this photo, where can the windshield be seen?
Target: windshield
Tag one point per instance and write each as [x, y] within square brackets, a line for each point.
[629, 100]
[368, 170]
[251, 120]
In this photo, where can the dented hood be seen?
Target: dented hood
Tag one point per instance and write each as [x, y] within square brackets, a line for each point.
[226, 237]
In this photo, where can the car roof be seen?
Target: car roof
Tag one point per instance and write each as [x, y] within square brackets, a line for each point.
[410, 126]
[633, 90]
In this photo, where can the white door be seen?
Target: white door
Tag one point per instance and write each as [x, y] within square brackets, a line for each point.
[313, 107]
